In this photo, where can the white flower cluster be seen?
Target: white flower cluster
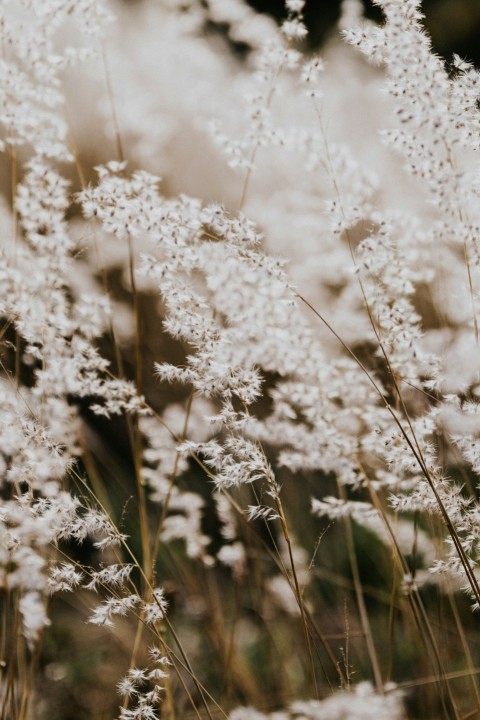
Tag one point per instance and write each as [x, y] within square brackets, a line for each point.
[356, 705]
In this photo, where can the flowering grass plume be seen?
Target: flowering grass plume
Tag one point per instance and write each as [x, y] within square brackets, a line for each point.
[239, 376]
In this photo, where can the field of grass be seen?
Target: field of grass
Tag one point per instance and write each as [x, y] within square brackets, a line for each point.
[239, 365]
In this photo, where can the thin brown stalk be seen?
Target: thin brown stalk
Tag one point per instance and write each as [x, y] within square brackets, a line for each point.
[465, 647]
[113, 109]
[173, 477]
[298, 594]
[362, 610]
[253, 155]
[418, 610]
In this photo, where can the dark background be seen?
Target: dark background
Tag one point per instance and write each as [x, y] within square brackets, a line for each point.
[454, 25]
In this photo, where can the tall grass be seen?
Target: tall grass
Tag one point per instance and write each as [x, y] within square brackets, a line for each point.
[235, 485]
